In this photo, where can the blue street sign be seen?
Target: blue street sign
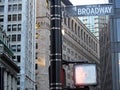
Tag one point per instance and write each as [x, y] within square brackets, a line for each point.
[88, 10]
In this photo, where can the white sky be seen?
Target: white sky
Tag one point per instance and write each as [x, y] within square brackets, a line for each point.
[86, 2]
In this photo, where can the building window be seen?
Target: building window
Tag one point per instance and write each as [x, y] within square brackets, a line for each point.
[1, 8]
[9, 28]
[78, 31]
[68, 50]
[9, 18]
[13, 48]
[15, 7]
[13, 57]
[75, 55]
[19, 37]
[81, 33]
[1, 18]
[18, 48]
[72, 53]
[87, 39]
[36, 45]
[36, 66]
[14, 27]
[14, 18]
[19, 17]
[69, 22]
[18, 58]
[64, 56]
[36, 55]
[64, 47]
[65, 22]
[19, 27]
[75, 28]
[19, 7]
[72, 25]
[10, 8]
[13, 37]
[18, 81]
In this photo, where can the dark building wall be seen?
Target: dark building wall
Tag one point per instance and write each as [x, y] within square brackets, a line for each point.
[1, 78]
[115, 43]
[110, 51]
[105, 58]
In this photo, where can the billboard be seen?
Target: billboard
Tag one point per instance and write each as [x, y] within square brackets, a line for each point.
[85, 74]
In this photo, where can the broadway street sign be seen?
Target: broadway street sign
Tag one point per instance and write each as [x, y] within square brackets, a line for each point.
[88, 10]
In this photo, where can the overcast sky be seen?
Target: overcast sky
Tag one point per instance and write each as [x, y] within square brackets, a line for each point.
[85, 2]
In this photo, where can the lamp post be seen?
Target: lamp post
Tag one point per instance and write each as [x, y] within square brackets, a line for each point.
[56, 46]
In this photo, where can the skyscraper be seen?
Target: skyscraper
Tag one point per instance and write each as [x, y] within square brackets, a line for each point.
[94, 23]
[17, 18]
[110, 51]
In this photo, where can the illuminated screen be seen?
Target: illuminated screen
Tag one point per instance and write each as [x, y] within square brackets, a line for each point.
[85, 74]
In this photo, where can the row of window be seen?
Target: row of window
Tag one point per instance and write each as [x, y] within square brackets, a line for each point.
[15, 17]
[70, 52]
[80, 33]
[16, 48]
[14, 7]
[15, 37]
[14, 0]
[14, 27]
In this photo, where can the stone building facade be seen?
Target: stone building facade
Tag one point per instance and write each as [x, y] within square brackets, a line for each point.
[17, 17]
[8, 69]
[78, 44]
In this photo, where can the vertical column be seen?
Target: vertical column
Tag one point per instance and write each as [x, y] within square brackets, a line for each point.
[9, 82]
[56, 46]
[5, 80]
[1, 78]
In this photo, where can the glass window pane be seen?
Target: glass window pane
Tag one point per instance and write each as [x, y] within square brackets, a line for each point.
[1, 18]
[9, 17]
[15, 7]
[19, 7]
[13, 37]
[19, 17]
[18, 48]
[18, 37]
[19, 27]
[14, 27]
[13, 48]
[14, 17]
[1, 8]
[9, 28]
[10, 8]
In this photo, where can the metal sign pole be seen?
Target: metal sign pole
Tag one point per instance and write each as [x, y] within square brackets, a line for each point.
[56, 46]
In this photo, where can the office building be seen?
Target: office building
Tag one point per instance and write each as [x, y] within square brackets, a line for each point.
[42, 44]
[94, 23]
[110, 51]
[17, 18]
[8, 69]
[105, 58]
